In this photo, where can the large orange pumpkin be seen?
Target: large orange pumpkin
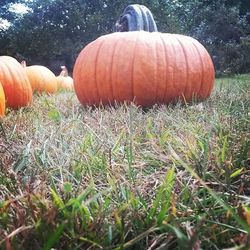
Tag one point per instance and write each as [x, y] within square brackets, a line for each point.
[143, 67]
[41, 78]
[2, 101]
[64, 81]
[16, 85]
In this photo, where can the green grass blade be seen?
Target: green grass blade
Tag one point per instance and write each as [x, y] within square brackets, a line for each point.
[54, 238]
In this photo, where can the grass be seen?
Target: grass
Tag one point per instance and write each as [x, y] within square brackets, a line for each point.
[171, 177]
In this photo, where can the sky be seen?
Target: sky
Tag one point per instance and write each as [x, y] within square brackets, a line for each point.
[17, 8]
[4, 24]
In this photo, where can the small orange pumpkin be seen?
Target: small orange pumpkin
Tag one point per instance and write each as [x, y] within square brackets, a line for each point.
[64, 81]
[2, 101]
[41, 78]
[15, 83]
[143, 67]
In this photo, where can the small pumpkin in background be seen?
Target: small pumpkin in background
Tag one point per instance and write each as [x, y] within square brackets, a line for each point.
[15, 83]
[42, 79]
[2, 101]
[142, 67]
[64, 81]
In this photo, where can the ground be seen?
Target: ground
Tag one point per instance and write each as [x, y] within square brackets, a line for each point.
[170, 177]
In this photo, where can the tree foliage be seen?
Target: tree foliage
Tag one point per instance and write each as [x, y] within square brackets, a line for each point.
[225, 32]
[54, 31]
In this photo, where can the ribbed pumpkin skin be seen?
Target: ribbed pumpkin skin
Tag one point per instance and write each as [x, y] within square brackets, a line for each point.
[41, 79]
[17, 89]
[2, 101]
[143, 67]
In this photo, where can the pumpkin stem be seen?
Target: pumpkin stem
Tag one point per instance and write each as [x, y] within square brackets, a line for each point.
[23, 63]
[136, 17]
[64, 71]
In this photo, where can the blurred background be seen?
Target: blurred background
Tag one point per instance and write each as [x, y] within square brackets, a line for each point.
[53, 32]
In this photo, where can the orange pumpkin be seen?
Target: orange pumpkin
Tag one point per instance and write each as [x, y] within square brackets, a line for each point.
[16, 85]
[64, 81]
[143, 67]
[2, 101]
[41, 78]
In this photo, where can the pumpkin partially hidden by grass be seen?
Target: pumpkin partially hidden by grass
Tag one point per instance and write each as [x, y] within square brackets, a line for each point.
[42, 79]
[143, 67]
[15, 83]
[2, 101]
[64, 81]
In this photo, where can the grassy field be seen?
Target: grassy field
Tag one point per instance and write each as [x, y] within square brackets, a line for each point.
[171, 177]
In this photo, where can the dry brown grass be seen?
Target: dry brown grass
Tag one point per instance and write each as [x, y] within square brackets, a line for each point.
[74, 177]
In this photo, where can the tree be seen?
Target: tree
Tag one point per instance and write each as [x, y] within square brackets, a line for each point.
[55, 31]
[6, 12]
[225, 33]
